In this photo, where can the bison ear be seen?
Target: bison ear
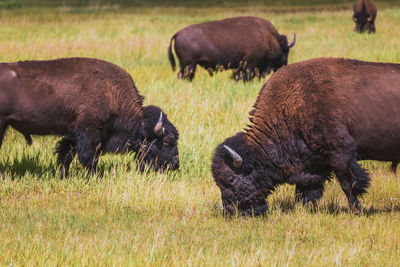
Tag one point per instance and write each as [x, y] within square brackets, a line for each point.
[236, 158]
[159, 129]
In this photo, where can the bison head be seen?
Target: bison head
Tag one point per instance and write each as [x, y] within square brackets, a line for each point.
[236, 171]
[363, 21]
[159, 141]
[282, 59]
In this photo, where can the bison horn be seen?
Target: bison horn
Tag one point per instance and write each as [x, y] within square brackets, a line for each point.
[159, 129]
[369, 18]
[237, 159]
[292, 42]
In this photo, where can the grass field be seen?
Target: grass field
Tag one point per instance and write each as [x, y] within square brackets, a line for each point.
[122, 217]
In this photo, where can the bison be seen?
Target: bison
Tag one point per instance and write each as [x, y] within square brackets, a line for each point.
[249, 45]
[364, 16]
[311, 119]
[93, 104]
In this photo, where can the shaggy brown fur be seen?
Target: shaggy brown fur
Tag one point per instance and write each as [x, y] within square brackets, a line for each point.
[310, 119]
[364, 16]
[92, 103]
[249, 45]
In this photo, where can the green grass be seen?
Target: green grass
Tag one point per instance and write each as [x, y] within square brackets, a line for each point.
[14, 4]
[122, 217]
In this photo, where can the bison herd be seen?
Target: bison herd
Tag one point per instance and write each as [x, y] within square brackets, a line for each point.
[311, 119]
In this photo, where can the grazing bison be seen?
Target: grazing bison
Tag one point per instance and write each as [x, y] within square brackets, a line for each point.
[364, 15]
[310, 119]
[93, 104]
[249, 45]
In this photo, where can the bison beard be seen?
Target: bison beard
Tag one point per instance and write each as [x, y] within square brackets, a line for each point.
[93, 104]
[250, 46]
[312, 119]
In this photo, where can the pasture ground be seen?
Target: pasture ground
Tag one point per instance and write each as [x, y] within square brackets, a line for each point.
[122, 217]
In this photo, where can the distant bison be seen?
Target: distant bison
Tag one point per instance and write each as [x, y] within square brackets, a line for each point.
[310, 119]
[249, 45]
[364, 15]
[93, 104]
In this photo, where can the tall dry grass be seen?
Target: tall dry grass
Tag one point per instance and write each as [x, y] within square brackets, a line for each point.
[122, 217]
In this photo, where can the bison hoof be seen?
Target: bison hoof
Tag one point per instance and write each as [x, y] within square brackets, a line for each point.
[355, 207]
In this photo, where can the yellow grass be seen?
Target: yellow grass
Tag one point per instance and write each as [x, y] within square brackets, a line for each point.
[121, 217]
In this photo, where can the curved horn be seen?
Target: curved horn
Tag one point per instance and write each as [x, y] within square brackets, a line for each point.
[158, 130]
[237, 159]
[291, 44]
[369, 18]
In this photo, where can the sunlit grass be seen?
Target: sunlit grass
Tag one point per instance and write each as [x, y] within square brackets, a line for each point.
[122, 217]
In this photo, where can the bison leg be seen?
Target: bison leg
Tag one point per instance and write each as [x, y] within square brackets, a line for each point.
[246, 75]
[309, 187]
[3, 128]
[88, 147]
[264, 72]
[353, 179]
[309, 194]
[249, 73]
[187, 72]
[66, 152]
[393, 167]
[236, 75]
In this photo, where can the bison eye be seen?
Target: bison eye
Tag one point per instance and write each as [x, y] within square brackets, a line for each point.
[169, 140]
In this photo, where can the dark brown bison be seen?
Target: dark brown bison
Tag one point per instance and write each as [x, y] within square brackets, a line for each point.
[364, 15]
[310, 119]
[93, 104]
[249, 45]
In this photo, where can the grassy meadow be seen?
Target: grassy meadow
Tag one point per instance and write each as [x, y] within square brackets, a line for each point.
[122, 217]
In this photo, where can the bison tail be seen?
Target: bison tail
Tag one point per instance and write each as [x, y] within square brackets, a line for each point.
[170, 54]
